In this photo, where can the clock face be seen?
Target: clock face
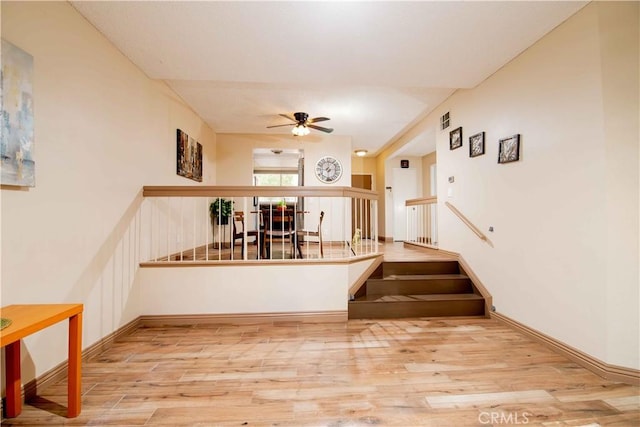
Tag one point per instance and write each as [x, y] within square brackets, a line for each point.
[328, 169]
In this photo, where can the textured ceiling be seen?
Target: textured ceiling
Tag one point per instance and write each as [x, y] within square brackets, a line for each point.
[374, 68]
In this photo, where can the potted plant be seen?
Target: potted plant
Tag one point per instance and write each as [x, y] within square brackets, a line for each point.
[222, 209]
[282, 205]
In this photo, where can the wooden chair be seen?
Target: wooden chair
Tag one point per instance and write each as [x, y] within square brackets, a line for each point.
[278, 225]
[301, 234]
[238, 231]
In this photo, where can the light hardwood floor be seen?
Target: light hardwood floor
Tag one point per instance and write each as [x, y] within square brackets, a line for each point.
[393, 251]
[408, 372]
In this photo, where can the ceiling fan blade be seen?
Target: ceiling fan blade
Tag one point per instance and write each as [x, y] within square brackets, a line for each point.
[320, 128]
[278, 126]
[289, 117]
[318, 119]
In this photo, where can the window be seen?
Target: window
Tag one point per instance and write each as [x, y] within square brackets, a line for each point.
[278, 179]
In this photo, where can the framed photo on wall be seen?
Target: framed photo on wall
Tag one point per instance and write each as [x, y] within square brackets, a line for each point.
[455, 138]
[476, 145]
[189, 157]
[509, 149]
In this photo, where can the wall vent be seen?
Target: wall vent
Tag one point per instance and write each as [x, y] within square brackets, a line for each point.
[444, 121]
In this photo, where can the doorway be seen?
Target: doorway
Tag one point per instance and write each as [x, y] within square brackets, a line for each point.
[404, 187]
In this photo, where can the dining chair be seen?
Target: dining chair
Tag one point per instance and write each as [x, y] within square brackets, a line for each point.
[278, 225]
[238, 231]
[302, 234]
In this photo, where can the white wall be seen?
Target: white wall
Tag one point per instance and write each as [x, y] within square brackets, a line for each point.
[102, 131]
[244, 289]
[565, 253]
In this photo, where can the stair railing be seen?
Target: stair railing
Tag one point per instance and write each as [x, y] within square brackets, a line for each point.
[197, 223]
[422, 221]
[468, 223]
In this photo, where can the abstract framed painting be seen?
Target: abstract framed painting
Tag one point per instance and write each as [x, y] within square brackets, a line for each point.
[455, 139]
[189, 157]
[509, 149]
[17, 140]
[476, 145]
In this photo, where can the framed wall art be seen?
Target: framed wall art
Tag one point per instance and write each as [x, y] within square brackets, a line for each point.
[476, 145]
[189, 157]
[509, 149]
[455, 138]
[16, 135]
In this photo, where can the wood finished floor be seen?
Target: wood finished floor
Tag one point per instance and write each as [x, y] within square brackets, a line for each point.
[407, 372]
[393, 251]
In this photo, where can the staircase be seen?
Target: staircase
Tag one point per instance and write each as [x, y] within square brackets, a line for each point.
[417, 289]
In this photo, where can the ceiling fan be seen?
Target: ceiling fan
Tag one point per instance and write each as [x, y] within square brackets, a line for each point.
[302, 123]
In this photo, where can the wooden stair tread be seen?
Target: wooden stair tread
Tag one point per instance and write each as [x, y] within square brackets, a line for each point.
[417, 289]
[417, 298]
[392, 277]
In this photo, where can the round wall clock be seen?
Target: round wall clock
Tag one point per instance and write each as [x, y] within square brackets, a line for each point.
[328, 169]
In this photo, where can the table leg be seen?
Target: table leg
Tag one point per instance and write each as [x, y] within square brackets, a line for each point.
[13, 405]
[74, 374]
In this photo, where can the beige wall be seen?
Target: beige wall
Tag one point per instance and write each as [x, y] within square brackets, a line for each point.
[102, 131]
[365, 166]
[427, 161]
[235, 155]
[565, 253]
[620, 92]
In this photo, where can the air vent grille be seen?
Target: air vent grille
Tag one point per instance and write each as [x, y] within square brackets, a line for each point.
[444, 121]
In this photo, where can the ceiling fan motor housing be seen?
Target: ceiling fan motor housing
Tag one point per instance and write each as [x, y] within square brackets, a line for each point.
[301, 117]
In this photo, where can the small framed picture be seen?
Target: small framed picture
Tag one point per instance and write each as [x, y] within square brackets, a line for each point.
[455, 139]
[509, 149]
[476, 145]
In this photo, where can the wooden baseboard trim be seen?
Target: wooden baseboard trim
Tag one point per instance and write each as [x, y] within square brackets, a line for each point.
[446, 252]
[242, 318]
[598, 367]
[420, 245]
[488, 299]
[364, 276]
[58, 373]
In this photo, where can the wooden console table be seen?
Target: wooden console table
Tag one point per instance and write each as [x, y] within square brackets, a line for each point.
[26, 320]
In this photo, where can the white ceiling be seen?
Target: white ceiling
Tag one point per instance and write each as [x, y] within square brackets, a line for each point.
[374, 68]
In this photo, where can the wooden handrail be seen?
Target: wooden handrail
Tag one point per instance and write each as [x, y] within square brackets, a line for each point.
[421, 201]
[464, 219]
[255, 191]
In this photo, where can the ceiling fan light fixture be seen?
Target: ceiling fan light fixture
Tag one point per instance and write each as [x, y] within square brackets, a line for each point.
[300, 130]
[361, 153]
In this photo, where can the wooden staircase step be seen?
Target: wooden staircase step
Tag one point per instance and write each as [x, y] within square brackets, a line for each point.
[420, 284]
[420, 297]
[400, 289]
[400, 306]
[412, 267]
